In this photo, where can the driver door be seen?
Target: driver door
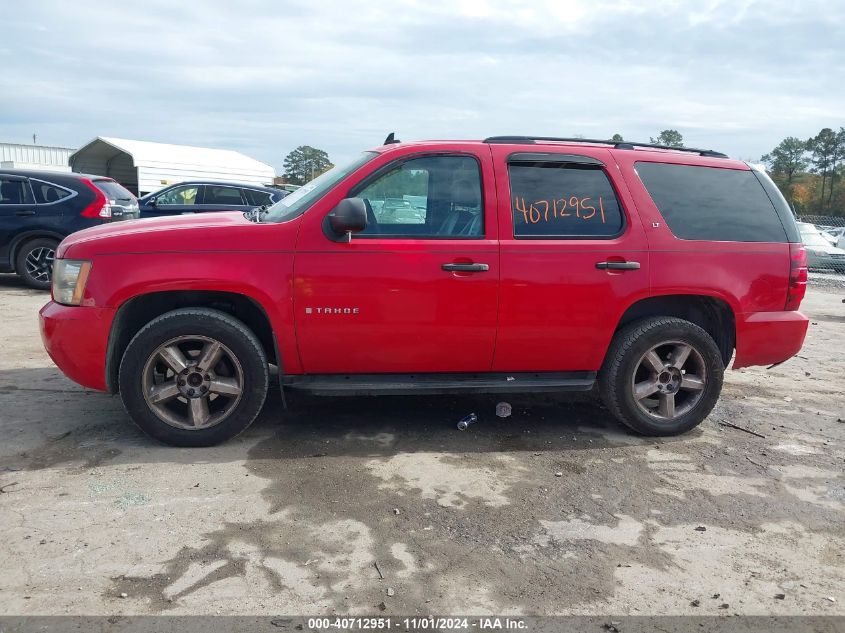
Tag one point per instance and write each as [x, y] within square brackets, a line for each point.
[398, 297]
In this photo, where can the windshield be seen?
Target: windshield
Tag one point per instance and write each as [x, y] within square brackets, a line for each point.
[299, 201]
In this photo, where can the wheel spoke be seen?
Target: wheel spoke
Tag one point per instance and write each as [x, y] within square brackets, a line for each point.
[644, 389]
[666, 408]
[691, 382]
[680, 355]
[225, 386]
[211, 353]
[654, 360]
[164, 392]
[174, 358]
[199, 411]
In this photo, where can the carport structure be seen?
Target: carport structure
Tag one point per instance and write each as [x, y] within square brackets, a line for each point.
[144, 166]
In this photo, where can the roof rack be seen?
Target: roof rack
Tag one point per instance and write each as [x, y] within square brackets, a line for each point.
[616, 144]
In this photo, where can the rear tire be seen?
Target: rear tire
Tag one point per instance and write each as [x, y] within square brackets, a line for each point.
[194, 377]
[34, 262]
[661, 376]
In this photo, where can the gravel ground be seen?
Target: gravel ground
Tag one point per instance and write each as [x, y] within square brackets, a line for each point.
[555, 510]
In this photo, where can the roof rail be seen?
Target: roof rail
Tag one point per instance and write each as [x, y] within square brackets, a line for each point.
[616, 144]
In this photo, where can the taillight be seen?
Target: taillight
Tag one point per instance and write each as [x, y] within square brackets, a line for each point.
[100, 209]
[797, 276]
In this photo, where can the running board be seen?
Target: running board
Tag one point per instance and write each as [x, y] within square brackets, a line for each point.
[397, 384]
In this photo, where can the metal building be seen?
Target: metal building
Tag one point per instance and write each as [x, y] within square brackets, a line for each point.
[19, 156]
[144, 167]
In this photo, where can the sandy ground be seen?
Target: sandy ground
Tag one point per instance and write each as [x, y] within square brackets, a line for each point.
[292, 516]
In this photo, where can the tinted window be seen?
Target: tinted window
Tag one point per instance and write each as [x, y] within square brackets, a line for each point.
[563, 200]
[430, 197]
[178, 195]
[708, 203]
[222, 195]
[45, 193]
[257, 198]
[14, 191]
[113, 190]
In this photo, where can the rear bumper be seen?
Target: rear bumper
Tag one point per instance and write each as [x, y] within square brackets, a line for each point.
[766, 338]
[76, 338]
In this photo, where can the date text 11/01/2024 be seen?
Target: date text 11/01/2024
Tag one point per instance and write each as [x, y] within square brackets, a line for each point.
[545, 210]
[418, 623]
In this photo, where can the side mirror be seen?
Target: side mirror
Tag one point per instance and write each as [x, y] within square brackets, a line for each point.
[349, 216]
[151, 202]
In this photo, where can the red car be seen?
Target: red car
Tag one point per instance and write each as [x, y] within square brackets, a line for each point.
[513, 264]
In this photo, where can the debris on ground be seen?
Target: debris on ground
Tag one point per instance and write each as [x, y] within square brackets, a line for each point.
[378, 569]
[395, 510]
[780, 596]
[4, 486]
[390, 592]
[830, 598]
[124, 595]
[504, 410]
[695, 603]
[464, 423]
[701, 528]
[382, 606]
[716, 596]
[743, 429]
[559, 474]
[724, 605]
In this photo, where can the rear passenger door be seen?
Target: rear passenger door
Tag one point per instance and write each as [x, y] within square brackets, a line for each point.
[573, 257]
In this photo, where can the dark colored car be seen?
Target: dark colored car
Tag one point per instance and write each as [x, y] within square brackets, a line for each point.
[38, 209]
[507, 265]
[201, 197]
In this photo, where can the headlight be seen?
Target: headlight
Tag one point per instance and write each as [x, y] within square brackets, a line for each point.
[69, 278]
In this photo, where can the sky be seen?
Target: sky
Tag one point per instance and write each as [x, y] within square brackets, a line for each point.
[264, 76]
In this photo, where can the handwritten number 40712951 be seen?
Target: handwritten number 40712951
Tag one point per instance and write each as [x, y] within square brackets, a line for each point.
[548, 210]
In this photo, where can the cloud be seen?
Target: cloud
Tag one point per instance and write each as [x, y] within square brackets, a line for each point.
[263, 76]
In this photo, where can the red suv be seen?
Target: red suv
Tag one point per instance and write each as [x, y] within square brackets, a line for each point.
[513, 264]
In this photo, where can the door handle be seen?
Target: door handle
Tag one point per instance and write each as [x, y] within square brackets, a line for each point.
[23, 212]
[618, 265]
[465, 268]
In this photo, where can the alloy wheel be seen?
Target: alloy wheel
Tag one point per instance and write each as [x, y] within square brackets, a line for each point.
[39, 263]
[192, 382]
[669, 380]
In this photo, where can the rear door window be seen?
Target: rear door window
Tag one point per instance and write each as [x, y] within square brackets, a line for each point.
[222, 195]
[552, 200]
[257, 198]
[713, 204]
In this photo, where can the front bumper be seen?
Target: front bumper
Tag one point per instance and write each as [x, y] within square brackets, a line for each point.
[76, 338]
[768, 338]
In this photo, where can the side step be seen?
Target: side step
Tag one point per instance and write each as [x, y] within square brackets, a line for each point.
[398, 384]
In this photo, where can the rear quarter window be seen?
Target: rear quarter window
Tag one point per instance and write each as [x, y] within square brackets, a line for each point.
[713, 204]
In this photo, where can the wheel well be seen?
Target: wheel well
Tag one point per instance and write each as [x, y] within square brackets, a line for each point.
[713, 315]
[138, 311]
[20, 240]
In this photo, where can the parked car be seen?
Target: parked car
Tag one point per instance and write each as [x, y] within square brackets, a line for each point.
[40, 208]
[821, 254]
[201, 197]
[533, 265]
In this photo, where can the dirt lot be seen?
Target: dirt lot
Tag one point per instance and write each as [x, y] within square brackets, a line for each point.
[291, 516]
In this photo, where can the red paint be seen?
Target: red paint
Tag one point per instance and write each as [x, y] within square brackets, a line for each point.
[541, 306]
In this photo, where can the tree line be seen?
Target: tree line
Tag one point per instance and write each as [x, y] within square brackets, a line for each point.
[810, 172]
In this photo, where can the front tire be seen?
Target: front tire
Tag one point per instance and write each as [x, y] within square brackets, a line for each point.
[194, 377]
[661, 376]
[34, 262]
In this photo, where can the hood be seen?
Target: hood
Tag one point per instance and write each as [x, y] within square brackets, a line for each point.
[218, 231]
